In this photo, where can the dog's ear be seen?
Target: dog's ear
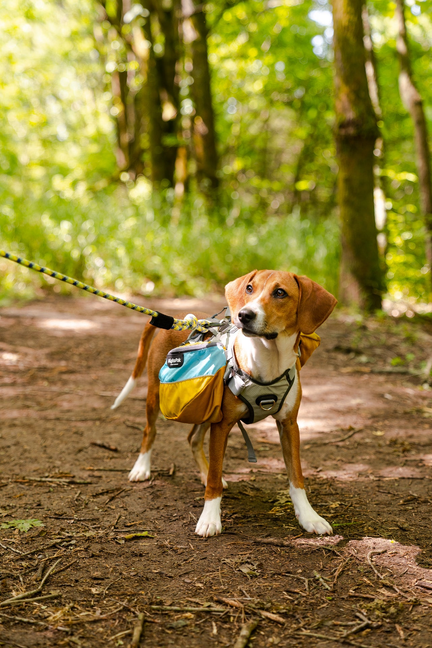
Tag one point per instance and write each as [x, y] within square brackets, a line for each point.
[235, 291]
[314, 306]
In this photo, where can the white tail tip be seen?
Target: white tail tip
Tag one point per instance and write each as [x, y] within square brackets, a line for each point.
[124, 392]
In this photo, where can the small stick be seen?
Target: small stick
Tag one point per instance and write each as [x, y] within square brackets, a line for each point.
[375, 552]
[172, 608]
[110, 499]
[228, 601]
[53, 595]
[339, 571]
[245, 634]
[120, 634]
[105, 446]
[137, 631]
[25, 595]
[51, 480]
[133, 425]
[272, 616]
[321, 580]
[11, 549]
[23, 619]
[344, 438]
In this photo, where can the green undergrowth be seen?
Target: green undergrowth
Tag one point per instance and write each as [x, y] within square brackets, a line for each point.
[132, 241]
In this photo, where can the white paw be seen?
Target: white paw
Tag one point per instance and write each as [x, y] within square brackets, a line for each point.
[307, 517]
[224, 484]
[210, 523]
[314, 523]
[142, 468]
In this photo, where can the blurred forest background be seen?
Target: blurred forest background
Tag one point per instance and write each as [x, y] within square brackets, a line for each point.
[168, 146]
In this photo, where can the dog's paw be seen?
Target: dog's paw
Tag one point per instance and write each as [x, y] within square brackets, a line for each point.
[305, 514]
[141, 470]
[314, 523]
[224, 484]
[210, 523]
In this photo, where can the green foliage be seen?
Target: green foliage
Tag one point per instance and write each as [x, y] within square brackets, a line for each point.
[129, 240]
[21, 525]
[272, 86]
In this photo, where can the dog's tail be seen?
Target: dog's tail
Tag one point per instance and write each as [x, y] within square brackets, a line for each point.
[143, 349]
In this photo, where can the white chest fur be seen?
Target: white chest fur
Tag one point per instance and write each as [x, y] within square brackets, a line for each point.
[265, 360]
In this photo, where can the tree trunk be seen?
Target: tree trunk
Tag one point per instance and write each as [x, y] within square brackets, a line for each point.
[204, 124]
[361, 280]
[380, 182]
[413, 103]
[168, 78]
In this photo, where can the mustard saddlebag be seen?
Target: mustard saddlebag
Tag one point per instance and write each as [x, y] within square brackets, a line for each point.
[192, 383]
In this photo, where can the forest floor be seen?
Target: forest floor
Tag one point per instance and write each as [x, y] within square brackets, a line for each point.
[87, 573]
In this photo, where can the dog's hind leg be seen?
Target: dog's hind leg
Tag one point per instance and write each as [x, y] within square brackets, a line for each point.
[142, 468]
[196, 441]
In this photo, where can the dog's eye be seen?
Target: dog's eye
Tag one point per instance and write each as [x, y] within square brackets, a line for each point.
[249, 288]
[280, 293]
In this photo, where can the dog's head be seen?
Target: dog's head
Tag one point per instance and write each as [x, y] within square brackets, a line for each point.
[265, 303]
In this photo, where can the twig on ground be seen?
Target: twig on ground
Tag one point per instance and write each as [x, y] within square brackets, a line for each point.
[339, 571]
[174, 608]
[344, 438]
[375, 552]
[110, 499]
[271, 616]
[321, 580]
[229, 601]
[53, 595]
[306, 580]
[137, 631]
[105, 446]
[120, 634]
[23, 619]
[12, 549]
[50, 480]
[245, 634]
[26, 595]
[133, 425]
[96, 618]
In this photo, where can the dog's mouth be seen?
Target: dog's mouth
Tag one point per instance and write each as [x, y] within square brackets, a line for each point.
[248, 333]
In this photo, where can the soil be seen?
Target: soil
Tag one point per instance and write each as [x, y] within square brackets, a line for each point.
[65, 456]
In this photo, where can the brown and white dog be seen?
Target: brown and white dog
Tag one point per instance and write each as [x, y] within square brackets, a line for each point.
[270, 309]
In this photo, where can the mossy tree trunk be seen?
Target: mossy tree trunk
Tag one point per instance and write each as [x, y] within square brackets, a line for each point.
[361, 281]
[413, 103]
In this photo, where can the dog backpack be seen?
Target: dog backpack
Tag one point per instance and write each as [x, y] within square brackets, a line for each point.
[192, 383]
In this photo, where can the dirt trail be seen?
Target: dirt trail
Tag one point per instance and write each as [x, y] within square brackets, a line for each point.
[367, 455]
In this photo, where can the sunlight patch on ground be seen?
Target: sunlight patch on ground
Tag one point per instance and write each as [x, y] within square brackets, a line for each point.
[399, 472]
[399, 559]
[68, 324]
[348, 472]
[9, 358]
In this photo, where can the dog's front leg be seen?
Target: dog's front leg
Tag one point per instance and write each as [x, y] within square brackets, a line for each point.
[210, 523]
[290, 442]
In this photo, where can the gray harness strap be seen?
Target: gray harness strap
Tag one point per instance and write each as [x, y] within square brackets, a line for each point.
[261, 399]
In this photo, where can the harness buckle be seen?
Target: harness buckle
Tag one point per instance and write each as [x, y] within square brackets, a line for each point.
[266, 402]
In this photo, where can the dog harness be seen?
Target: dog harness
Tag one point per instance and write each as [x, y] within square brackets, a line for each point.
[262, 399]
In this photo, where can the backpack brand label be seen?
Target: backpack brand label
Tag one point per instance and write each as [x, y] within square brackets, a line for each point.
[175, 361]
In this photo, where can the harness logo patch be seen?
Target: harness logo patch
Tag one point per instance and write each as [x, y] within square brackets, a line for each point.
[175, 361]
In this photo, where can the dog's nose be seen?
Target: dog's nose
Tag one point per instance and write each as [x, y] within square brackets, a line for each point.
[246, 316]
